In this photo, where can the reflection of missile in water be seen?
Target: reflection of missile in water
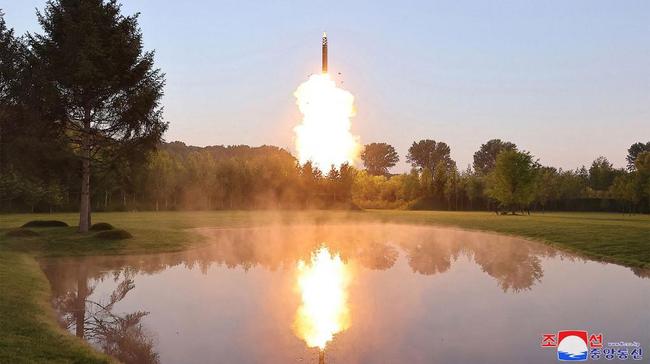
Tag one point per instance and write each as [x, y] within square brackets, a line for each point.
[321, 356]
[324, 52]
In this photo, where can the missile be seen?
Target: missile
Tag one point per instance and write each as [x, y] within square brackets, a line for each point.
[324, 52]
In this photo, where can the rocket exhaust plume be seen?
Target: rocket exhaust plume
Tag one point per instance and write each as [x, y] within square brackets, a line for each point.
[324, 312]
[324, 136]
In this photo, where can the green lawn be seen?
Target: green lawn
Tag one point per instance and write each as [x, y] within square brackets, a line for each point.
[28, 330]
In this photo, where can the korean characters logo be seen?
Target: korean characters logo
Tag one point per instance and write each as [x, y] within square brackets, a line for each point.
[579, 345]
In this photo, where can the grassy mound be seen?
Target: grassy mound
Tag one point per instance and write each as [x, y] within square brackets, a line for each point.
[101, 226]
[21, 233]
[117, 234]
[45, 223]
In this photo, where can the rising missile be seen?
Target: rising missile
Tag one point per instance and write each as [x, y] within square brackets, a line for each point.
[324, 52]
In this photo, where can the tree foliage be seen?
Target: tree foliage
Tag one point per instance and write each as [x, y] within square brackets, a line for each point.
[512, 180]
[485, 158]
[601, 174]
[378, 158]
[427, 154]
[634, 150]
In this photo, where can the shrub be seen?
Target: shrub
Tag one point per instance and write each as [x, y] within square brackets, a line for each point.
[19, 233]
[117, 234]
[45, 223]
[101, 226]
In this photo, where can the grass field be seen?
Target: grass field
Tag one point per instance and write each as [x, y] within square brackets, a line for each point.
[29, 333]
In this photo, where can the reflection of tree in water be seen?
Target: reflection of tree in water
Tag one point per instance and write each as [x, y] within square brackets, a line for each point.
[378, 256]
[430, 257]
[121, 336]
[512, 262]
[514, 268]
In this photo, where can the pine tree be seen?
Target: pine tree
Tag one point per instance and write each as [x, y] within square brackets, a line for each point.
[97, 83]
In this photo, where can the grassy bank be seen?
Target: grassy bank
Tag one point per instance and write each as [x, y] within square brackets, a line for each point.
[28, 330]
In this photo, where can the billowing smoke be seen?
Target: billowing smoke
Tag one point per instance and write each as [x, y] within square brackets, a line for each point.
[324, 136]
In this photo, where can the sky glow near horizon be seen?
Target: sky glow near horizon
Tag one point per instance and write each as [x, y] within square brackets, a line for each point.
[567, 81]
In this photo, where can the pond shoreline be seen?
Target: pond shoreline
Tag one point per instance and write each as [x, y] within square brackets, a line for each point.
[32, 334]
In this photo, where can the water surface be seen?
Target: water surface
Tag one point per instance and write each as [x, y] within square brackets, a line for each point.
[413, 294]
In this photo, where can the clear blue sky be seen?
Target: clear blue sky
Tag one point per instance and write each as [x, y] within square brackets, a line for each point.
[566, 80]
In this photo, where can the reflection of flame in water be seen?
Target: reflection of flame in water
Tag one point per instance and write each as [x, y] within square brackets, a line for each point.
[323, 287]
[324, 135]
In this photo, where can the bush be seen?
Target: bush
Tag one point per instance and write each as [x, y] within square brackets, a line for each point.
[117, 234]
[101, 226]
[45, 223]
[20, 233]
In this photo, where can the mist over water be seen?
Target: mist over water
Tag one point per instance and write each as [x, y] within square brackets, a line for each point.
[415, 294]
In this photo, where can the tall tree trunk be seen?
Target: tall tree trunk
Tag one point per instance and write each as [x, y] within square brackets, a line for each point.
[84, 206]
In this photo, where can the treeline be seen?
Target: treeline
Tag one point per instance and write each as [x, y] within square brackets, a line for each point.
[501, 178]
[180, 177]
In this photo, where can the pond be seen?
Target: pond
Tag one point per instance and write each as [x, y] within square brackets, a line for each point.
[369, 293]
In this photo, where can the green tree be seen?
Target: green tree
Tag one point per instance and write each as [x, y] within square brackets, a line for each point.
[440, 176]
[642, 165]
[427, 154]
[426, 183]
[572, 185]
[33, 192]
[626, 188]
[378, 158]
[546, 186]
[474, 187]
[601, 174]
[411, 186]
[161, 172]
[485, 158]
[10, 60]
[99, 84]
[511, 181]
[53, 195]
[634, 150]
[12, 54]
[452, 188]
